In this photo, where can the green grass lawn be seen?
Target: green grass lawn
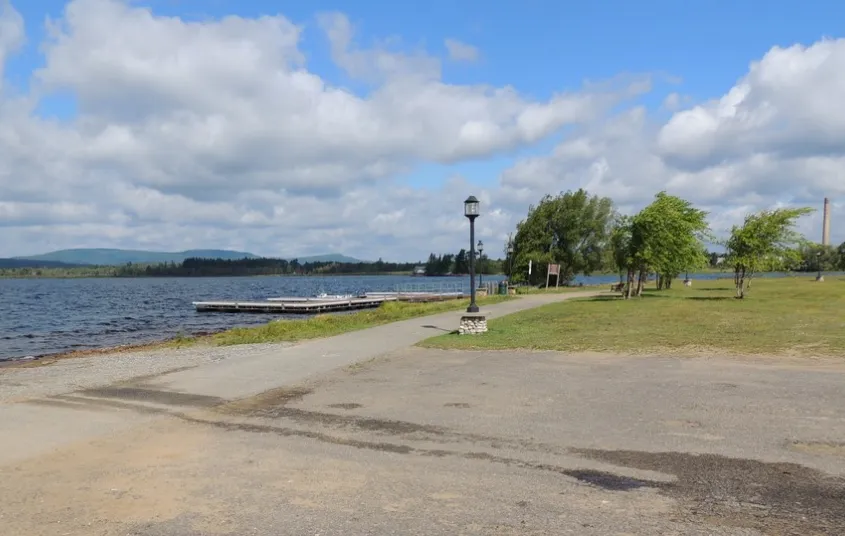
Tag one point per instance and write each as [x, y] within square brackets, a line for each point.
[556, 290]
[794, 316]
[330, 324]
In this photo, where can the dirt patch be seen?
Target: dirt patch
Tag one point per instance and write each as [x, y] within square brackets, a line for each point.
[107, 486]
[267, 399]
[386, 426]
[292, 432]
[462, 405]
[346, 405]
[609, 481]
[681, 424]
[774, 498]
[274, 405]
[103, 404]
[819, 447]
[154, 396]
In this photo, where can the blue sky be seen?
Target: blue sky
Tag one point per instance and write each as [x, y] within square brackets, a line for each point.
[698, 50]
[539, 46]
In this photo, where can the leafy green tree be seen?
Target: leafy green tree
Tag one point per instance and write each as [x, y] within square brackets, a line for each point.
[666, 238]
[445, 264]
[620, 245]
[713, 259]
[763, 237]
[462, 262]
[840, 253]
[432, 266]
[570, 229]
[813, 257]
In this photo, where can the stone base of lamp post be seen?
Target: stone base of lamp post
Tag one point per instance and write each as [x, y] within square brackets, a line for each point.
[473, 324]
[819, 278]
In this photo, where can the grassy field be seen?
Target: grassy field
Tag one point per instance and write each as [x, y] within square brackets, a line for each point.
[790, 316]
[556, 290]
[330, 324]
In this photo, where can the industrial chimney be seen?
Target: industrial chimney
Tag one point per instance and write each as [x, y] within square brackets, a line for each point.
[826, 223]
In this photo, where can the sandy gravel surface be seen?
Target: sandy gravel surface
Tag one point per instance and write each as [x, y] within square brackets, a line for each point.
[67, 375]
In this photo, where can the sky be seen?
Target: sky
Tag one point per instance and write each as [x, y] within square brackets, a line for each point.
[290, 128]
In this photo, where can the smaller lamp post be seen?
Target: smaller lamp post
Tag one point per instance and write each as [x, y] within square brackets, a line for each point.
[510, 256]
[480, 263]
[471, 212]
[819, 266]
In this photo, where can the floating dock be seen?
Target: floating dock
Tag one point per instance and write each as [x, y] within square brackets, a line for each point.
[291, 305]
[315, 305]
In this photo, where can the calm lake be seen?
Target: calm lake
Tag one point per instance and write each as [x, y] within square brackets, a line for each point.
[45, 316]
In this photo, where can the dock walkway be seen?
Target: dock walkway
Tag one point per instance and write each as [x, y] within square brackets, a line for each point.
[291, 305]
[331, 304]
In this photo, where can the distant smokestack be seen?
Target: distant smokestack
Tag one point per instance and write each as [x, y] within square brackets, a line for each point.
[826, 223]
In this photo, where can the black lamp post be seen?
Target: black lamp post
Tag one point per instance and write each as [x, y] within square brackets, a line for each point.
[480, 263]
[510, 256]
[819, 265]
[471, 212]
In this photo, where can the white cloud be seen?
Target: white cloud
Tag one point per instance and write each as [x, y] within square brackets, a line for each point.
[774, 138]
[787, 104]
[219, 134]
[459, 51]
[11, 33]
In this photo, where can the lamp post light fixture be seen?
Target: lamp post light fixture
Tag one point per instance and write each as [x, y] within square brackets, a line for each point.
[480, 263]
[471, 212]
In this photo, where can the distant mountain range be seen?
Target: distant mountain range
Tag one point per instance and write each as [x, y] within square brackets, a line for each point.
[114, 257]
[25, 263]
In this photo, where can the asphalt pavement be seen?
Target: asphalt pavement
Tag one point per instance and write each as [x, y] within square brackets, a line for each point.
[372, 436]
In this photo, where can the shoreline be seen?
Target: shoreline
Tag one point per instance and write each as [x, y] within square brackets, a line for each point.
[47, 359]
[197, 338]
[158, 344]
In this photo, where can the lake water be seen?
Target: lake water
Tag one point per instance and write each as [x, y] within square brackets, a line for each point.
[45, 316]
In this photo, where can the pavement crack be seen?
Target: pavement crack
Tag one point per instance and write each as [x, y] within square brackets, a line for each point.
[596, 478]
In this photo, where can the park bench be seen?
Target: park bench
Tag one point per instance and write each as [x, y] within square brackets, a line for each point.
[617, 287]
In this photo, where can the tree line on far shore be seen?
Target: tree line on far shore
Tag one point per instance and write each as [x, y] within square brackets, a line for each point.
[197, 267]
[446, 264]
[583, 233]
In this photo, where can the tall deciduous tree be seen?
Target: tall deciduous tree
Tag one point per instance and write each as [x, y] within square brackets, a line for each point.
[570, 229]
[813, 257]
[620, 245]
[666, 238]
[765, 236]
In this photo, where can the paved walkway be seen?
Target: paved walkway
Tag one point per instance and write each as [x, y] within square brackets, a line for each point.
[242, 378]
[38, 426]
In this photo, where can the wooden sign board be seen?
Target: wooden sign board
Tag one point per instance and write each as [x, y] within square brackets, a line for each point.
[554, 270]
